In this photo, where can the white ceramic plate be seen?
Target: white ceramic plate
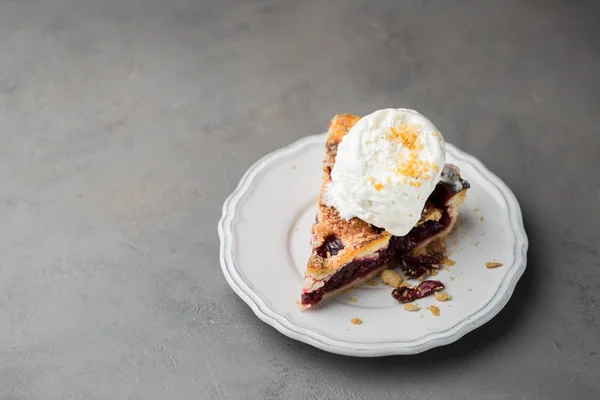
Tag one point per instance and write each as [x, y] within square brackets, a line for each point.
[265, 233]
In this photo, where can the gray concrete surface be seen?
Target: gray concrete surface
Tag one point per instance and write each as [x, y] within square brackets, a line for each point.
[125, 124]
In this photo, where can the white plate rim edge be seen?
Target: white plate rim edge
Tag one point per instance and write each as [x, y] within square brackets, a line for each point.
[426, 342]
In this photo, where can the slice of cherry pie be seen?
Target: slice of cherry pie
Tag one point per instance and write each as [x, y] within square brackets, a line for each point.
[347, 253]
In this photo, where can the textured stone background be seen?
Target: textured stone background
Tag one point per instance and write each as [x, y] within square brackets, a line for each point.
[124, 124]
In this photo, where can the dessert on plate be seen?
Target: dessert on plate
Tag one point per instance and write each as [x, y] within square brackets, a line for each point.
[388, 199]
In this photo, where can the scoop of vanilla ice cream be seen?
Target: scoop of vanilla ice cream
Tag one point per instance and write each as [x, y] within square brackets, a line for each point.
[385, 169]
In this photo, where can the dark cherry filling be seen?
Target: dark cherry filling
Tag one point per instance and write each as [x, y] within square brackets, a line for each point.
[414, 267]
[330, 247]
[408, 294]
[398, 246]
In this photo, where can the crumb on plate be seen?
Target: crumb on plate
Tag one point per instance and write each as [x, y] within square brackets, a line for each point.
[493, 264]
[448, 262]
[435, 311]
[441, 296]
[391, 278]
[411, 307]
[356, 321]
